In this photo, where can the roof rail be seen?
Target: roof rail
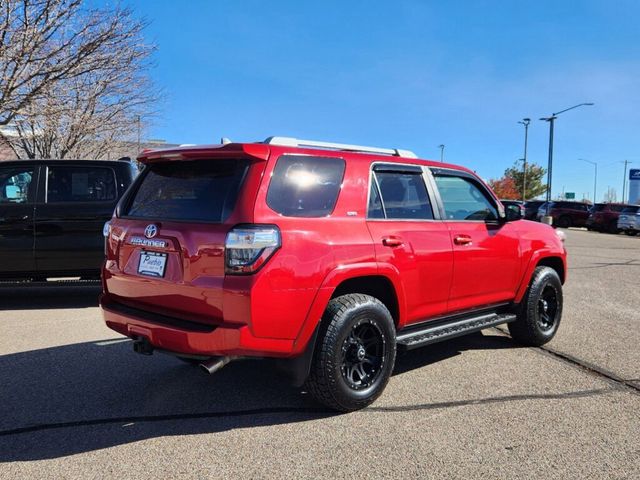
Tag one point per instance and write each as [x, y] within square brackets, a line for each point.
[295, 142]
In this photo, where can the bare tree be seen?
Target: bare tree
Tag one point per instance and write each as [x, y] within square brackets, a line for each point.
[84, 110]
[610, 195]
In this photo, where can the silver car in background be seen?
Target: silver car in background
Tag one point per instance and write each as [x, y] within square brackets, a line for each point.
[629, 220]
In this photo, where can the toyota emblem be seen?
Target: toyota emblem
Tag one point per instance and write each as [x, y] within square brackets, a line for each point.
[151, 231]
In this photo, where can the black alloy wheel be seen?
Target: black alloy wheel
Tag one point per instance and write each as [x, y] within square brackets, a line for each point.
[354, 354]
[363, 355]
[547, 308]
[540, 311]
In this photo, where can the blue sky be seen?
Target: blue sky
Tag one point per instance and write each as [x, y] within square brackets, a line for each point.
[408, 74]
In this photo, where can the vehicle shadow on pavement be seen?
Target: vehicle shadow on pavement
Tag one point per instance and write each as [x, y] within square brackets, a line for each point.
[29, 297]
[84, 397]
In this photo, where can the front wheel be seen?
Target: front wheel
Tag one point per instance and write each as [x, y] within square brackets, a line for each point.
[541, 309]
[355, 354]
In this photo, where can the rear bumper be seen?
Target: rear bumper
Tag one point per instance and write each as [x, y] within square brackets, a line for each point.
[187, 337]
[628, 225]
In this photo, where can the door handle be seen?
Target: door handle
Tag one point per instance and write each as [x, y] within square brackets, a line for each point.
[391, 242]
[462, 240]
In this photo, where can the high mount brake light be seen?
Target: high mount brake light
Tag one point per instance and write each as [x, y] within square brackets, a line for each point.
[248, 247]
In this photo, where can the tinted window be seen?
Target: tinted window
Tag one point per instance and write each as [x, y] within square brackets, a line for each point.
[635, 209]
[14, 184]
[404, 195]
[80, 184]
[464, 200]
[305, 186]
[205, 190]
[598, 207]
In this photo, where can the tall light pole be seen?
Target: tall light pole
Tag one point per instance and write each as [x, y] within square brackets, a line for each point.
[624, 181]
[551, 121]
[595, 177]
[441, 147]
[525, 122]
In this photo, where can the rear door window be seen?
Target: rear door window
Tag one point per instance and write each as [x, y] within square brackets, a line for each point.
[305, 186]
[190, 191]
[399, 195]
[80, 184]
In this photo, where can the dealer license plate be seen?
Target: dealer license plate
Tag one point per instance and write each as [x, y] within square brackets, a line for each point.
[152, 263]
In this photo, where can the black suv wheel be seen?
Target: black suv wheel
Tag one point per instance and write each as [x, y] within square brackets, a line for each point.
[540, 310]
[564, 222]
[355, 354]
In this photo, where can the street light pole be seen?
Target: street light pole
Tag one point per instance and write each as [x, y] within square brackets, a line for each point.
[525, 122]
[551, 121]
[624, 181]
[595, 178]
[441, 147]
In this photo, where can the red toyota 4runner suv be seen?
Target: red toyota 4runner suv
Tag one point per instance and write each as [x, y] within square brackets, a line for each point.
[328, 257]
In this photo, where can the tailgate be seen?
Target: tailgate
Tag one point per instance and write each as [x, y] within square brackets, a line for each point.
[188, 283]
[166, 250]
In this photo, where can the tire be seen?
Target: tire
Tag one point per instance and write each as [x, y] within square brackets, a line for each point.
[564, 222]
[613, 227]
[355, 353]
[540, 311]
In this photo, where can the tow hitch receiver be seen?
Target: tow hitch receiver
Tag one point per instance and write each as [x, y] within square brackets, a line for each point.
[142, 346]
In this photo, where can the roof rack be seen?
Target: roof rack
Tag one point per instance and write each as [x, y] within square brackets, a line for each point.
[295, 142]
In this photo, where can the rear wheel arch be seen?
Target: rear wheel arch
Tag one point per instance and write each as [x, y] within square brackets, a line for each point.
[377, 286]
[380, 287]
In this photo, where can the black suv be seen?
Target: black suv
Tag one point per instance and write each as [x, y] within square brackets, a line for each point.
[531, 209]
[52, 213]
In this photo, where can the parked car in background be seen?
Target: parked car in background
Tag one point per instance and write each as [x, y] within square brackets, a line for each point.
[327, 257]
[531, 209]
[629, 220]
[516, 204]
[52, 213]
[565, 214]
[603, 217]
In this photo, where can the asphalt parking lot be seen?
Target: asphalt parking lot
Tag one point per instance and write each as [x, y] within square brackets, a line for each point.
[76, 402]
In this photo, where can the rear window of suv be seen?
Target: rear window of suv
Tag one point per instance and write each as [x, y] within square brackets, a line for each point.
[305, 186]
[198, 191]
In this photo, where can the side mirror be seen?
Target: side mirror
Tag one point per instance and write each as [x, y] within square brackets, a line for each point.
[513, 213]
